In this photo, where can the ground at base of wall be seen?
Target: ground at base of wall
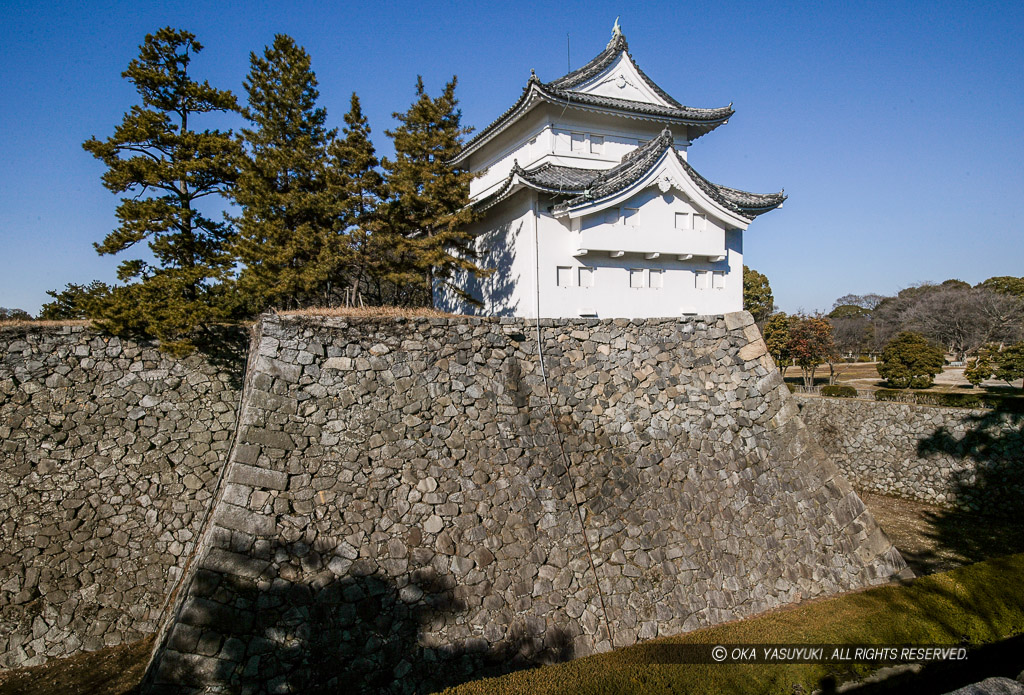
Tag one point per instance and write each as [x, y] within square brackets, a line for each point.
[112, 671]
[936, 539]
[931, 538]
[978, 607]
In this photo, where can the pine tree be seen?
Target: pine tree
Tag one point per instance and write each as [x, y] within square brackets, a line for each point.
[428, 207]
[910, 361]
[168, 167]
[286, 212]
[75, 301]
[362, 251]
[757, 294]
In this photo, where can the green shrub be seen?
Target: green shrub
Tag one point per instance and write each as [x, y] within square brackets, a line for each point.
[910, 360]
[839, 391]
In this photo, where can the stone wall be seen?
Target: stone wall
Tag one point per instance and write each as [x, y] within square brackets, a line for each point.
[398, 513]
[109, 453]
[972, 459]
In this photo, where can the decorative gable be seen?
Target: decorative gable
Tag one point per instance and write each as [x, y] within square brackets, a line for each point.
[622, 80]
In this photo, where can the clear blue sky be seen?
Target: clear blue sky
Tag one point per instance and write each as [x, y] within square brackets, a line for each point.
[894, 127]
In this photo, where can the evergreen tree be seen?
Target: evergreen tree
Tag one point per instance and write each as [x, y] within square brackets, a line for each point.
[14, 314]
[910, 360]
[1001, 362]
[428, 208]
[1005, 284]
[287, 215]
[75, 301]
[362, 250]
[757, 294]
[776, 337]
[168, 167]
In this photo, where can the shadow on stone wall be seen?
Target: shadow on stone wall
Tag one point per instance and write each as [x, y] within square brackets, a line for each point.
[985, 522]
[358, 634]
[995, 442]
[226, 348]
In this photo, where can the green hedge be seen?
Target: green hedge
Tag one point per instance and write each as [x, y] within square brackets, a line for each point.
[838, 391]
[956, 400]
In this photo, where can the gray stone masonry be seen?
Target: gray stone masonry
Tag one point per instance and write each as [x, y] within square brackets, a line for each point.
[397, 515]
[109, 452]
[955, 457]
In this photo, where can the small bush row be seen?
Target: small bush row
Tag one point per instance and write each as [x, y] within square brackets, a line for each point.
[838, 391]
[955, 400]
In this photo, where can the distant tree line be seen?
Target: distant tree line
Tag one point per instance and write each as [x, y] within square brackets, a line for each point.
[953, 314]
[910, 333]
[317, 218]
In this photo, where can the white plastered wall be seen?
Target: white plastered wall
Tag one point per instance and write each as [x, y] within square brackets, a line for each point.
[504, 244]
[614, 293]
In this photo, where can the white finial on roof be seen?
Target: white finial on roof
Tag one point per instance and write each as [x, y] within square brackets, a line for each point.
[616, 30]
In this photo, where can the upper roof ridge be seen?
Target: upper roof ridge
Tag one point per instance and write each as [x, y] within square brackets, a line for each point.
[563, 92]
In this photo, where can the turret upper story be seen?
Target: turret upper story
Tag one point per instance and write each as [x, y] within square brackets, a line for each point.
[590, 118]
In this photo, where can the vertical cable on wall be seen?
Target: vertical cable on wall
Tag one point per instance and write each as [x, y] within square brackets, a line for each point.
[558, 433]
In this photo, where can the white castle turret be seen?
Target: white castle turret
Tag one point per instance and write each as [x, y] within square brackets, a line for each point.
[589, 206]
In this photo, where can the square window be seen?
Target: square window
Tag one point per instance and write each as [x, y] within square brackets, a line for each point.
[657, 279]
[586, 277]
[684, 220]
[701, 279]
[578, 142]
[564, 276]
[596, 144]
[631, 216]
[636, 278]
[718, 279]
[700, 222]
[611, 216]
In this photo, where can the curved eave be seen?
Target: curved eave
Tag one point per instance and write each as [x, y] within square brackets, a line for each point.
[752, 204]
[732, 198]
[701, 121]
[635, 174]
[517, 180]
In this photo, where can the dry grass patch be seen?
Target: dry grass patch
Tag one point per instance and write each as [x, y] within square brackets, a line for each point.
[33, 323]
[371, 312]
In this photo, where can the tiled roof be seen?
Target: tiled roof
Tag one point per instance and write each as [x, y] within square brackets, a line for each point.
[590, 185]
[639, 162]
[561, 91]
[756, 203]
[549, 178]
[681, 113]
[558, 178]
[601, 62]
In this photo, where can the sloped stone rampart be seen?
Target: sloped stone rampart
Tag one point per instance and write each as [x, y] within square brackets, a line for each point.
[109, 453]
[398, 516]
[955, 457]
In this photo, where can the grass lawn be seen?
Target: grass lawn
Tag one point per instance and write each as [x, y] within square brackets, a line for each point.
[975, 605]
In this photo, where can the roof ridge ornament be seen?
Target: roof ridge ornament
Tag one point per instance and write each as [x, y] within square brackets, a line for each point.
[616, 34]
